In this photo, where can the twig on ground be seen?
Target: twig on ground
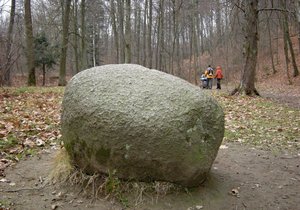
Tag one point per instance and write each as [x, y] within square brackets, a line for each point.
[22, 189]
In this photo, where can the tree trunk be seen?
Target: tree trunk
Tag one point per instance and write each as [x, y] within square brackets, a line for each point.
[170, 38]
[191, 34]
[176, 33]
[121, 30]
[94, 45]
[192, 57]
[114, 27]
[84, 58]
[138, 36]
[195, 42]
[287, 36]
[287, 61]
[149, 36]
[7, 68]
[65, 38]
[127, 33]
[200, 30]
[286, 51]
[270, 46]
[29, 44]
[160, 36]
[158, 46]
[175, 37]
[218, 21]
[44, 74]
[145, 34]
[247, 83]
[75, 25]
[298, 20]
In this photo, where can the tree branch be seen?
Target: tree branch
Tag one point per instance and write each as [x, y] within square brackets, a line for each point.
[235, 4]
[273, 9]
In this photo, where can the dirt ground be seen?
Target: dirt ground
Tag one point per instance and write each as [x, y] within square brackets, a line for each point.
[241, 178]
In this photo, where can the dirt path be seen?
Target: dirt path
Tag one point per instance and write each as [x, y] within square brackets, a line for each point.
[285, 94]
[241, 178]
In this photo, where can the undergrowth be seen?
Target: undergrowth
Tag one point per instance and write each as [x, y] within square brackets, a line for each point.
[108, 186]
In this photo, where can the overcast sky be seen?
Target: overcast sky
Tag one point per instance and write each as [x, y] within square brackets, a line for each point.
[5, 7]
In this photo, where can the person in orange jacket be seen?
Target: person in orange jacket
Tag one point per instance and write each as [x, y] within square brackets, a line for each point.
[219, 76]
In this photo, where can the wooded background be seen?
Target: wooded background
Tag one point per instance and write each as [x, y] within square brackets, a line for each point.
[48, 41]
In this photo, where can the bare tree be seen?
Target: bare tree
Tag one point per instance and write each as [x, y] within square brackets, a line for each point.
[65, 39]
[114, 28]
[160, 35]
[247, 82]
[121, 30]
[137, 32]
[194, 41]
[75, 35]
[7, 67]
[218, 21]
[128, 33]
[175, 56]
[83, 35]
[298, 20]
[286, 51]
[270, 45]
[29, 44]
[149, 34]
[145, 34]
[287, 37]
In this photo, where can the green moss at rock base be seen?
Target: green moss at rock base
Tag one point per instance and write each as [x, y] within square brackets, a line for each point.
[69, 145]
[102, 155]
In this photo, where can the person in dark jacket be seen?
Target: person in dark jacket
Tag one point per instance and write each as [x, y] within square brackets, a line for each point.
[209, 73]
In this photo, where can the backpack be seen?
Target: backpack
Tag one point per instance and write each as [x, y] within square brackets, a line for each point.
[210, 71]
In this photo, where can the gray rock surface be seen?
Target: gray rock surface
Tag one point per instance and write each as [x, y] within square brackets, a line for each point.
[144, 124]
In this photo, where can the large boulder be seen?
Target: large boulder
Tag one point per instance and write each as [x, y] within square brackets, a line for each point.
[143, 124]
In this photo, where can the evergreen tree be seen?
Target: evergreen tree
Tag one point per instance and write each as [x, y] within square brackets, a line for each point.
[45, 54]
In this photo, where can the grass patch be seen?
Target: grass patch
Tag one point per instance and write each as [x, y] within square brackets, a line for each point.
[4, 204]
[8, 142]
[31, 90]
[260, 122]
[62, 167]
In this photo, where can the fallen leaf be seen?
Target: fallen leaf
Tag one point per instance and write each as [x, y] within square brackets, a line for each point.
[29, 143]
[39, 143]
[234, 192]
[223, 147]
[4, 180]
[12, 184]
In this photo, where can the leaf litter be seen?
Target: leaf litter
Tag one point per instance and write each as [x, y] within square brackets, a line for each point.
[260, 122]
[30, 123]
[29, 120]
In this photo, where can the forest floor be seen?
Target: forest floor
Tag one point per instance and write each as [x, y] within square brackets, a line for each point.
[257, 166]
